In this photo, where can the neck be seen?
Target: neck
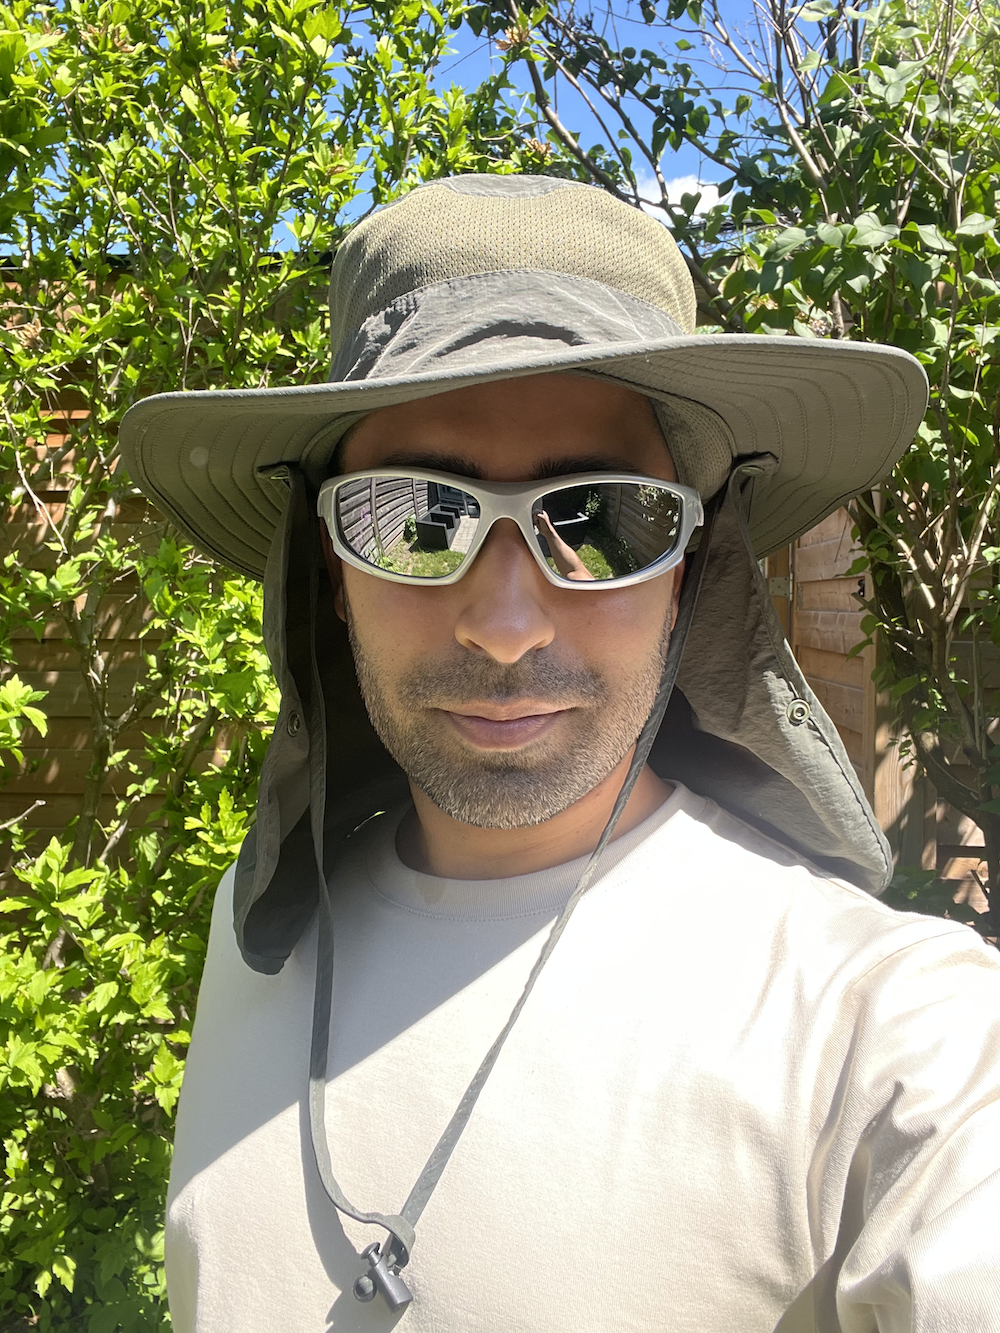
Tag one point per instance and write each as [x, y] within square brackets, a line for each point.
[435, 844]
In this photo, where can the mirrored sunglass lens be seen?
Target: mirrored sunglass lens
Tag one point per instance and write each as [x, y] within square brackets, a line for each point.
[606, 530]
[407, 525]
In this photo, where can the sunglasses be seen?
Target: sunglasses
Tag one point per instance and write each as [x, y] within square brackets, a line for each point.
[597, 529]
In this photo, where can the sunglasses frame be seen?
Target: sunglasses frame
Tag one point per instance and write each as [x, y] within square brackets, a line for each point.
[513, 500]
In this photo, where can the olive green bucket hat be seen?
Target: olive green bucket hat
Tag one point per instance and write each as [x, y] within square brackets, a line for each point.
[478, 278]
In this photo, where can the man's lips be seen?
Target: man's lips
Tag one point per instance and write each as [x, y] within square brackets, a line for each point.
[504, 727]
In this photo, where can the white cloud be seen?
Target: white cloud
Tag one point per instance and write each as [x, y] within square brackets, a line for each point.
[680, 185]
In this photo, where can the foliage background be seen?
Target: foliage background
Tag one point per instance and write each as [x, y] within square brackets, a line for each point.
[174, 184]
[176, 178]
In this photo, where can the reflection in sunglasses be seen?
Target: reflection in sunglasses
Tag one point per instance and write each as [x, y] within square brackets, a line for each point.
[407, 525]
[560, 554]
[414, 527]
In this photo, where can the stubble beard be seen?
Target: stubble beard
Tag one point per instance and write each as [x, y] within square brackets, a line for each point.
[506, 789]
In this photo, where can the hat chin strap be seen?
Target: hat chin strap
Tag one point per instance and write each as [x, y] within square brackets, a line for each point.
[386, 1260]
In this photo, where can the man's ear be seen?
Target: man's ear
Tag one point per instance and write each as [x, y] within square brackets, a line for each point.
[335, 569]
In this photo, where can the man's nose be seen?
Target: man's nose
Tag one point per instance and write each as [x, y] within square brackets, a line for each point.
[504, 598]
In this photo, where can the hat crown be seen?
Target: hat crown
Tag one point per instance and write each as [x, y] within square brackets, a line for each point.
[477, 224]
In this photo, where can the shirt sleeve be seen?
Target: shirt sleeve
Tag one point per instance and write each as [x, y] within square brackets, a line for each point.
[918, 1141]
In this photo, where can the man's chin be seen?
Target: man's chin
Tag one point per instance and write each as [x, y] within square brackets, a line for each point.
[503, 789]
[502, 811]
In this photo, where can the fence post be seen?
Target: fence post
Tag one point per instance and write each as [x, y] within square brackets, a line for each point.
[375, 527]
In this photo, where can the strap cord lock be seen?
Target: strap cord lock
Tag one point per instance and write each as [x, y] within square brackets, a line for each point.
[383, 1278]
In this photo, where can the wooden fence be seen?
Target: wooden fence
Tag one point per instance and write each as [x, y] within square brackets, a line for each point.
[818, 604]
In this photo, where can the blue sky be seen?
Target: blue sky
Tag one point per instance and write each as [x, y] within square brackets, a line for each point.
[472, 62]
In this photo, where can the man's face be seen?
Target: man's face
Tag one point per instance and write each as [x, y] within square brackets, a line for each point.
[503, 697]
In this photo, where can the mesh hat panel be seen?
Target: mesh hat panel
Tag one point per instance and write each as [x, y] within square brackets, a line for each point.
[563, 227]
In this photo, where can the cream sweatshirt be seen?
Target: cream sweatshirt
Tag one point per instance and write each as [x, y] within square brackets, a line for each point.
[742, 1097]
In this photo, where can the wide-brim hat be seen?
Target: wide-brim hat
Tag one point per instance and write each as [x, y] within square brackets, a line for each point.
[478, 278]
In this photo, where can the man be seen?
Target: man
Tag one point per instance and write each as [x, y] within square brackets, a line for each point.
[616, 1037]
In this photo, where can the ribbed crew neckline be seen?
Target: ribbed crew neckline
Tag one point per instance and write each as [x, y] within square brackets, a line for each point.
[541, 893]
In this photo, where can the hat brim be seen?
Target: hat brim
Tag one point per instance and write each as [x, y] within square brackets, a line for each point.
[836, 415]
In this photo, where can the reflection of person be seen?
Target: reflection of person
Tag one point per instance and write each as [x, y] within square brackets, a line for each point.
[565, 558]
[742, 1094]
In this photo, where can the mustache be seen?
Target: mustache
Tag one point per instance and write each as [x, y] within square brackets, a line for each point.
[475, 679]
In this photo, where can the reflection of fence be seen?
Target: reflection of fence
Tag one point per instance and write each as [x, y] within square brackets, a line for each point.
[624, 516]
[372, 512]
[644, 538]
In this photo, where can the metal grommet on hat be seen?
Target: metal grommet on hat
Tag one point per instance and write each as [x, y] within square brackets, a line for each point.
[797, 712]
[293, 724]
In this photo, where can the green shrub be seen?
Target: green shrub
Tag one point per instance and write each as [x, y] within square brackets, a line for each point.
[176, 179]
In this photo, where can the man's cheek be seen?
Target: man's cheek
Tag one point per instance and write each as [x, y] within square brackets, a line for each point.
[618, 624]
[392, 619]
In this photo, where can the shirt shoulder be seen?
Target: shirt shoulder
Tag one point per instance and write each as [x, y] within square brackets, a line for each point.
[753, 884]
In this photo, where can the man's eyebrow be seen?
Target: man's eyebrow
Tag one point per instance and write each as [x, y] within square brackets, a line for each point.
[565, 467]
[459, 467]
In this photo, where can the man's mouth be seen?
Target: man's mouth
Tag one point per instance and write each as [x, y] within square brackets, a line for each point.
[504, 726]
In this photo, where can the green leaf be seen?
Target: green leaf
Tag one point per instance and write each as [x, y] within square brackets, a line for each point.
[904, 686]
[786, 242]
[291, 38]
[102, 995]
[930, 236]
[64, 1269]
[190, 100]
[104, 1319]
[975, 224]
[832, 235]
[870, 232]
[37, 987]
